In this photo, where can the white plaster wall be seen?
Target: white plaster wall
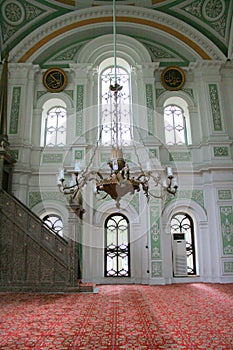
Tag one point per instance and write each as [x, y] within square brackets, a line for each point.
[204, 171]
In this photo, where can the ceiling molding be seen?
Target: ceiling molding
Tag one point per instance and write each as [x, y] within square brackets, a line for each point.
[98, 16]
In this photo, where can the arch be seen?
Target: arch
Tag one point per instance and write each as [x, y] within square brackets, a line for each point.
[99, 49]
[161, 100]
[110, 62]
[183, 101]
[49, 207]
[97, 18]
[200, 221]
[108, 208]
[60, 96]
[194, 209]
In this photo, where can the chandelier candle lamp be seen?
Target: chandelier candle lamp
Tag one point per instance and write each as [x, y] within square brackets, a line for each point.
[73, 190]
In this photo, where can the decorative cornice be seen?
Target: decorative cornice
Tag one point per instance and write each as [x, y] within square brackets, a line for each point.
[213, 64]
[93, 16]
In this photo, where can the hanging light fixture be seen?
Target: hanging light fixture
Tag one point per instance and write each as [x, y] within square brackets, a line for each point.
[119, 182]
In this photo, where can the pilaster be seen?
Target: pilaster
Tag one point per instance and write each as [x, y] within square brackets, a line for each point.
[74, 235]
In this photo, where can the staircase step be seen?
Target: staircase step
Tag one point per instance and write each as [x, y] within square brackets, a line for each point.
[87, 288]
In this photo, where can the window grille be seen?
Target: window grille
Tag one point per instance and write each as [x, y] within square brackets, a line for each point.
[107, 107]
[117, 247]
[54, 222]
[55, 127]
[175, 127]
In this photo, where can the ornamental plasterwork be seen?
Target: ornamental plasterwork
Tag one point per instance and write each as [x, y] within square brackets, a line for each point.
[208, 15]
[155, 253]
[78, 154]
[215, 107]
[155, 234]
[68, 55]
[40, 93]
[150, 108]
[13, 12]
[226, 216]
[228, 267]
[16, 13]
[70, 93]
[153, 153]
[79, 108]
[227, 230]
[49, 158]
[224, 194]
[156, 269]
[221, 151]
[228, 250]
[188, 91]
[15, 106]
[105, 157]
[195, 195]
[179, 156]
[37, 197]
[211, 11]
[157, 51]
[126, 11]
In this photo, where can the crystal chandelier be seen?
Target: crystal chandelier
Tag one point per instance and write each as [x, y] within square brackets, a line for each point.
[119, 182]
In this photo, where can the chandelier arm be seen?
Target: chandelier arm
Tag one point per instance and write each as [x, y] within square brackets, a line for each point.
[173, 192]
[145, 175]
[138, 159]
[156, 179]
[86, 170]
[102, 197]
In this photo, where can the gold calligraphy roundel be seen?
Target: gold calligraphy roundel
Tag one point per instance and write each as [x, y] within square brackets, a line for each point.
[173, 78]
[55, 79]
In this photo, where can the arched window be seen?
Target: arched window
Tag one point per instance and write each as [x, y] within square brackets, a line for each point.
[117, 247]
[176, 122]
[54, 119]
[108, 110]
[54, 222]
[182, 229]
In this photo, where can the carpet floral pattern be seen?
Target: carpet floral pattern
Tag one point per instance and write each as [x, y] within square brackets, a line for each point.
[134, 317]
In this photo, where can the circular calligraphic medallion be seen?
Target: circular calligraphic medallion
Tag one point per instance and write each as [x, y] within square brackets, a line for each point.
[55, 79]
[173, 78]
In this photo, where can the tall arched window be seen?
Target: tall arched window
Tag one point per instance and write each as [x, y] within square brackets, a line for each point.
[117, 247]
[182, 228]
[54, 119]
[176, 122]
[55, 127]
[108, 110]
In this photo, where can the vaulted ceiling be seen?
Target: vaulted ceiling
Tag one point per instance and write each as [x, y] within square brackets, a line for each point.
[48, 31]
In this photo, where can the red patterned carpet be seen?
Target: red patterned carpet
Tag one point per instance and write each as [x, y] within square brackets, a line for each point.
[184, 316]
